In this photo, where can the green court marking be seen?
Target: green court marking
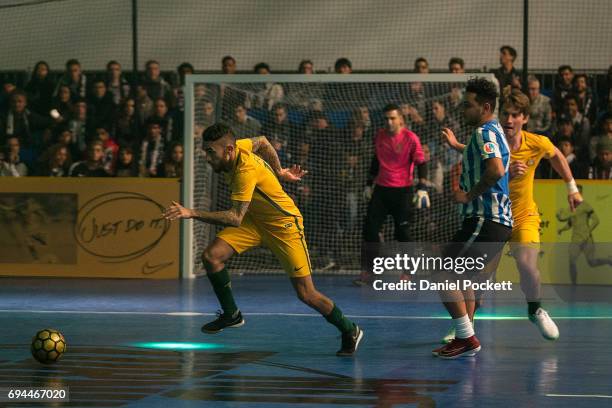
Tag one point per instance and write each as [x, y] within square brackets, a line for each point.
[178, 346]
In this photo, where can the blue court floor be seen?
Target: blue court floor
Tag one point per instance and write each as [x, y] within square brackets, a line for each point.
[135, 343]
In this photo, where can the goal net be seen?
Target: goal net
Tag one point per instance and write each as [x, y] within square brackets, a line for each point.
[326, 124]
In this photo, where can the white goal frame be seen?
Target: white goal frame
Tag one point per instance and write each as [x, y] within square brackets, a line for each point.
[187, 186]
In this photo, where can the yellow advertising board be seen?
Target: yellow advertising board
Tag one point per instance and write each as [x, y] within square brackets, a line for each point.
[88, 227]
[580, 240]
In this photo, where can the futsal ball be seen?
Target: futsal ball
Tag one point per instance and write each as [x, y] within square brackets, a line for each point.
[48, 346]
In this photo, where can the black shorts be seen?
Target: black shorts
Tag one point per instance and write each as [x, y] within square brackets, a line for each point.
[478, 238]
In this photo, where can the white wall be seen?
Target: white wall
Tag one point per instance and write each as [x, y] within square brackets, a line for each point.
[374, 34]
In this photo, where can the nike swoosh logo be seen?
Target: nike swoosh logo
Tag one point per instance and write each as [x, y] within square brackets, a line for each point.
[151, 269]
[297, 269]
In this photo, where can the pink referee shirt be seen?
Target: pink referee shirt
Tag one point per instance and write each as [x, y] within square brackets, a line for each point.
[397, 156]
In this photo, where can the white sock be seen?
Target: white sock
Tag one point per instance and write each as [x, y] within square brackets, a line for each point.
[463, 327]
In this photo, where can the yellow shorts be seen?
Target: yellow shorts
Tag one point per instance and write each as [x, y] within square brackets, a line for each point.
[526, 231]
[285, 238]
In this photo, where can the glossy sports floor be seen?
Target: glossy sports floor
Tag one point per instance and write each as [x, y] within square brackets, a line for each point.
[138, 344]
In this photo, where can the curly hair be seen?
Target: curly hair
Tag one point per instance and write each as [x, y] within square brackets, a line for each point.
[485, 90]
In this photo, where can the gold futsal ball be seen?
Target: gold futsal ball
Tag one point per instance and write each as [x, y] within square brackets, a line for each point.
[48, 346]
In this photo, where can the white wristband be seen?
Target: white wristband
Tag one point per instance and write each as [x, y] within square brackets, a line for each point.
[572, 188]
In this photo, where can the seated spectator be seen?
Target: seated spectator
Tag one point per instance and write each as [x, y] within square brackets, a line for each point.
[127, 129]
[362, 114]
[540, 110]
[179, 95]
[57, 163]
[421, 66]
[144, 105]
[10, 162]
[126, 165]
[605, 135]
[172, 165]
[587, 103]
[101, 107]
[605, 92]
[563, 87]
[155, 85]
[271, 94]
[566, 147]
[302, 94]
[228, 65]
[507, 74]
[5, 95]
[93, 165]
[111, 149]
[162, 115]
[564, 129]
[440, 120]
[243, 125]
[40, 89]
[80, 126]
[280, 132]
[601, 166]
[412, 117]
[19, 121]
[151, 150]
[66, 138]
[456, 65]
[74, 79]
[62, 104]
[343, 66]
[582, 126]
[306, 67]
[116, 83]
[205, 114]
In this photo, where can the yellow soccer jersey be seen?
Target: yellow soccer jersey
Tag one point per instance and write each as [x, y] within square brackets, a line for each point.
[252, 179]
[533, 148]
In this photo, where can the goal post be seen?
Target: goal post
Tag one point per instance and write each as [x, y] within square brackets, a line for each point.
[329, 124]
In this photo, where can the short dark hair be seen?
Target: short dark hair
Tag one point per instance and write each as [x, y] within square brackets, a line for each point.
[391, 107]
[216, 132]
[456, 60]
[185, 65]
[261, 65]
[112, 62]
[420, 59]
[151, 62]
[302, 63]
[564, 68]
[586, 78]
[485, 90]
[571, 96]
[227, 58]
[71, 62]
[340, 62]
[510, 50]
[565, 139]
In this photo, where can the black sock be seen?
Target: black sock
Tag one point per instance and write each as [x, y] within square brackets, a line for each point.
[223, 289]
[532, 307]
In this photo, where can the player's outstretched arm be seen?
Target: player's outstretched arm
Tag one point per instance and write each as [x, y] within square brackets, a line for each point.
[561, 166]
[228, 218]
[449, 137]
[264, 149]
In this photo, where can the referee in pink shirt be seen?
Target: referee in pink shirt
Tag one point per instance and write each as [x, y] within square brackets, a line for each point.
[397, 152]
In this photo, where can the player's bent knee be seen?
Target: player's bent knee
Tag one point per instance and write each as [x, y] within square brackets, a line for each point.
[211, 261]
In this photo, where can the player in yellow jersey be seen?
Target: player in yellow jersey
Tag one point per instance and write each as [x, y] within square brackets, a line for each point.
[262, 214]
[527, 149]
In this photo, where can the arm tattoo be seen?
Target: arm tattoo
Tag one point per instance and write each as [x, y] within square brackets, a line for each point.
[228, 218]
[263, 148]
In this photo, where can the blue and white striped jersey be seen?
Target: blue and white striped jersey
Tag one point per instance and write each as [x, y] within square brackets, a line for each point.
[486, 142]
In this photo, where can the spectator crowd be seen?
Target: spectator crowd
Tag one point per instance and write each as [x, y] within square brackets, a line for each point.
[107, 125]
